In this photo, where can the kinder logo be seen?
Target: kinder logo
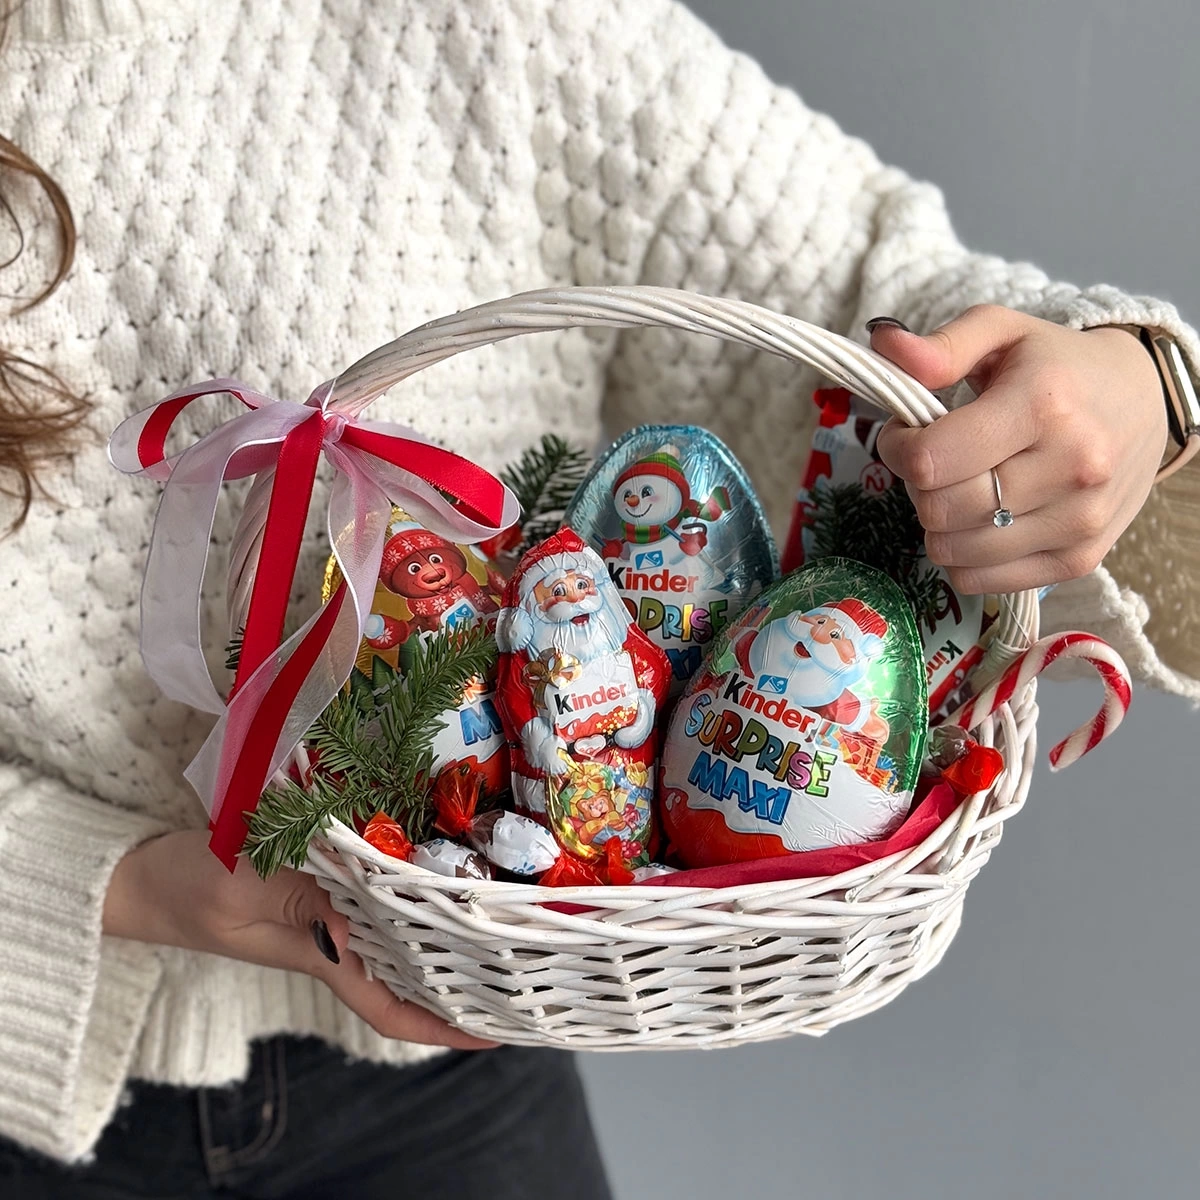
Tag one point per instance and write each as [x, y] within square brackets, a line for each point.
[773, 683]
[464, 612]
[651, 558]
[876, 479]
[574, 702]
[632, 579]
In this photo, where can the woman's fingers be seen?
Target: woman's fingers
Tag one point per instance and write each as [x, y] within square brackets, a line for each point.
[293, 947]
[171, 890]
[297, 903]
[1058, 530]
[1029, 482]
[296, 899]
[388, 1015]
[1033, 571]
[960, 349]
[964, 443]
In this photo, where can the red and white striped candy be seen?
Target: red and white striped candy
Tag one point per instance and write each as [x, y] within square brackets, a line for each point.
[1033, 662]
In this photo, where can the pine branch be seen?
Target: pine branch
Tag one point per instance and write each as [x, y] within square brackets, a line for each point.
[411, 706]
[880, 530]
[373, 748]
[544, 480]
[288, 818]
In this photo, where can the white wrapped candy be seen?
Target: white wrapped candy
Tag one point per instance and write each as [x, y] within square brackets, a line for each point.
[445, 857]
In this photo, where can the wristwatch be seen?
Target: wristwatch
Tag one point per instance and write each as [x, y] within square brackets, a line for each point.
[1179, 393]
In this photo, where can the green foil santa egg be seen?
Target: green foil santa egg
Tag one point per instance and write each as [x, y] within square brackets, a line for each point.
[805, 727]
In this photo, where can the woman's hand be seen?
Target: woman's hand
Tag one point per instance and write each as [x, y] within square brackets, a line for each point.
[173, 892]
[1074, 424]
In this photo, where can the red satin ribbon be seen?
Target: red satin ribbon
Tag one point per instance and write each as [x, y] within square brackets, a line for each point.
[476, 492]
[477, 495]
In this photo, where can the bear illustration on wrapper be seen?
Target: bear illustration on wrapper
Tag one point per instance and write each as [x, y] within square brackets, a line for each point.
[428, 584]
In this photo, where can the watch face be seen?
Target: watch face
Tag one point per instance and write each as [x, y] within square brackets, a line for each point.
[1183, 406]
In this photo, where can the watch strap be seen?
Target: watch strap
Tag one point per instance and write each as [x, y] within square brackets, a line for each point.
[1179, 395]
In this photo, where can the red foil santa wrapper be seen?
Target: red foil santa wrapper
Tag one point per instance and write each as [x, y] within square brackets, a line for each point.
[579, 689]
[427, 584]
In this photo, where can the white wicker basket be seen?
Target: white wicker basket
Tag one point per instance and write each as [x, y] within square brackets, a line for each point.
[630, 968]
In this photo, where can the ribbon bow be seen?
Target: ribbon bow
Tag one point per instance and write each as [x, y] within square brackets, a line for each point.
[280, 689]
[549, 668]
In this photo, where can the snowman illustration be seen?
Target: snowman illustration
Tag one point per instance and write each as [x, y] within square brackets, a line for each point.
[662, 564]
[662, 525]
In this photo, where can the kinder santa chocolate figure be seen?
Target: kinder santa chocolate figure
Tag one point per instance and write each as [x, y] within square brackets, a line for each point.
[579, 687]
[681, 533]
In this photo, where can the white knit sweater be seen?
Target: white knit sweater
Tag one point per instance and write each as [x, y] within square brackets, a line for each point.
[271, 190]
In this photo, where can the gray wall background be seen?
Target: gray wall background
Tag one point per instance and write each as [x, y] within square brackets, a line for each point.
[1053, 1053]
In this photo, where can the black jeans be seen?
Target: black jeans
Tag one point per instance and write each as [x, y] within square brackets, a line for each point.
[502, 1124]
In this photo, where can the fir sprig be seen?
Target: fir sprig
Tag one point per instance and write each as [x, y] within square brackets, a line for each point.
[544, 479]
[374, 750]
[289, 817]
[881, 530]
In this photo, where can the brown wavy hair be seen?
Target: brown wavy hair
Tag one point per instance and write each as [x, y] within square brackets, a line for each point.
[38, 411]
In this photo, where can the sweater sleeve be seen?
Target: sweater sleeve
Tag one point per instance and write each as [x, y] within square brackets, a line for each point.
[72, 1003]
[743, 191]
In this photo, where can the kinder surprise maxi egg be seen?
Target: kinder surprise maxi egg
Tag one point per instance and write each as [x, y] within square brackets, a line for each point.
[805, 727]
[427, 584]
[682, 535]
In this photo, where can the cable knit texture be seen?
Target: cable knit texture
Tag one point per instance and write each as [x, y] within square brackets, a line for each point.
[278, 190]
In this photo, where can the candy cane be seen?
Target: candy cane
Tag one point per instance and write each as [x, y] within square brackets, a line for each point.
[1032, 663]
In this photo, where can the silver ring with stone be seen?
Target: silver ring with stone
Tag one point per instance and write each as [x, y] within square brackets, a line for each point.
[1002, 518]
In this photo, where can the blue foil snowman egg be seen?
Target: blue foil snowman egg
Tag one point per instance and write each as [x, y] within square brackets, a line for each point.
[682, 534]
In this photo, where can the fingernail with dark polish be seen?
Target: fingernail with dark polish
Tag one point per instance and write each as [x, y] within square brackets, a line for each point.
[875, 322]
[320, 932]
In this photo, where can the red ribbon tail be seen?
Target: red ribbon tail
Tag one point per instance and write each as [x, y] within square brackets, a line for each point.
[283, 535]
[249, 774]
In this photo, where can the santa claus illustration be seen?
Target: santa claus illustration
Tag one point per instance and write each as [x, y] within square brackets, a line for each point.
[658, 513]
[577, 678]
[818, 659]
[432, 576]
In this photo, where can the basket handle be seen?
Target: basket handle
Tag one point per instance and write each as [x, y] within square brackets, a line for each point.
[839, 359]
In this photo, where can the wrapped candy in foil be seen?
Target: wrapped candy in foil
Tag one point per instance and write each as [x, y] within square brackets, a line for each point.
[651, 871]
[440, 855]
[806, 726]
[513, 842]
[506, 839]
[579, 689]
[444, 857]
[681, 533]
[387, 835]
[955, 756]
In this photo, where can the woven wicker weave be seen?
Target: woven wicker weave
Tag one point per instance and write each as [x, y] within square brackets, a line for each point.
[641, 967]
